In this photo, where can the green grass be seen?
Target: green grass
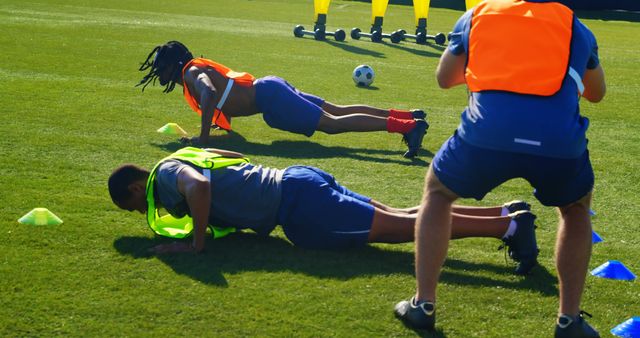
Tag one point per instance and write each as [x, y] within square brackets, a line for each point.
[69, 114]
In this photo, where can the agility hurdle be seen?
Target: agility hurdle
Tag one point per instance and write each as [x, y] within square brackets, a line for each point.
[320, 11]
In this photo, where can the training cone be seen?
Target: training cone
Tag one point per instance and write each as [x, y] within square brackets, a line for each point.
[595, 238]
[172, 129]
[613, 270]
[628, 329]
[40, 216]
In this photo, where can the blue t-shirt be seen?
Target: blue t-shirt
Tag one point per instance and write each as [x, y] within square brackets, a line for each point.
[539, 125]
[242, 196]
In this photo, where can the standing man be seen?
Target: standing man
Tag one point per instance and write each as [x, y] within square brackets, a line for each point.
[526, 65]
[218, 93]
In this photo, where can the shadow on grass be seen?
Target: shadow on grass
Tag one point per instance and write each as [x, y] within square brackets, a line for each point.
[416, 49]
[540, 279]
[303, 150]
[438, 333]
[405, 46]
[354, 49]
[250, 252]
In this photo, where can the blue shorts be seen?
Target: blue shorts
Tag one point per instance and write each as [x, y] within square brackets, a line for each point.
[286, 108]
[318, 213]
[470, 171]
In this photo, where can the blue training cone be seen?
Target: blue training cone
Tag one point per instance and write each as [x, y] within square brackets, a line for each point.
[613, 270]
[595, 238]
[628, 329]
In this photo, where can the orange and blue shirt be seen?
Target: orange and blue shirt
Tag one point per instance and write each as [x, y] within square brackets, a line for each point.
[524, 69]
[242, 79]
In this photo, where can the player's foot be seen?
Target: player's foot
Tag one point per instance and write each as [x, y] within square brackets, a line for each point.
[413, 139]
[522, 246]
[418, 316]
[517, 205]
[418, 114]
[570, 327]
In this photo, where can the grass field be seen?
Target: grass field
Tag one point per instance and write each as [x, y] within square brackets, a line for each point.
[69, 114]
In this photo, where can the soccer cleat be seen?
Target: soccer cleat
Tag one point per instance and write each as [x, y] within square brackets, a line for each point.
[517, 205]
[421, 316]
[413, 139]
[569, 327]
[522, 246]
[418, 114]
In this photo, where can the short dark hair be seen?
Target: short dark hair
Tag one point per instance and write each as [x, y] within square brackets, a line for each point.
[172, 55]
[121, 178]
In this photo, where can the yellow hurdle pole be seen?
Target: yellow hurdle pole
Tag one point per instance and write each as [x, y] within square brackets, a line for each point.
[471, 3]
[421, 10]
[320, 7]
[378, 8]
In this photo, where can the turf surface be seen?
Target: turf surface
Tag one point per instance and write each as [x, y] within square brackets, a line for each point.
[69, 114]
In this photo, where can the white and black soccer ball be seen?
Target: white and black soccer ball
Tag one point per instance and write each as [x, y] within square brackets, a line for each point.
[363, 75]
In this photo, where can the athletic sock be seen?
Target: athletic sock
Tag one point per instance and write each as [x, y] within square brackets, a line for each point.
[504, 211]
[513, 226]
[395, 125]
[400, 114]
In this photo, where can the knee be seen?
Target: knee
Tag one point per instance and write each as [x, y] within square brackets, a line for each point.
[577, 208]
[329, 124]
[436, 190]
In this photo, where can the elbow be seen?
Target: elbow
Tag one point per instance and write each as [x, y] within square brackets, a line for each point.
[595, 96]
[443, 84]
[595, 99]
[447, 80]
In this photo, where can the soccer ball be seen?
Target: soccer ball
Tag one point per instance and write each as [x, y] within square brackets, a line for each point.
[363, 76]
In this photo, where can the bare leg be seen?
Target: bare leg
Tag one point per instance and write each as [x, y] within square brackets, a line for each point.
[331, 124]
[394, 227]
[337, 110]
[477, 211]
[390, 227]
[456, 209]
[433, 230]
[412, 210]
[573, 250]
[478, 226]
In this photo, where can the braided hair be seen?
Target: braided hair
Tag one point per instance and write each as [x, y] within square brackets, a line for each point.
[173, 55]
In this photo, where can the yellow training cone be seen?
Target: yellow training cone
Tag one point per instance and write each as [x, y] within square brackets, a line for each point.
[172, 129]
[40, 216]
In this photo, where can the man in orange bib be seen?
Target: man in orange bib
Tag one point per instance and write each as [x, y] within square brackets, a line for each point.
[218, 93]
[526, 65]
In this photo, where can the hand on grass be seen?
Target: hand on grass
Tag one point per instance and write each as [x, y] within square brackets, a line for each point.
[173, 247]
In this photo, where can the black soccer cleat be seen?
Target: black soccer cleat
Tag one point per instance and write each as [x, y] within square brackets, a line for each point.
[413, 139]
[569, 327]
[421, 316]
[418, 114]
[522, 246]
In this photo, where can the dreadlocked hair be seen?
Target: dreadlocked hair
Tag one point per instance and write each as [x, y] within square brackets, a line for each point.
[173, 55]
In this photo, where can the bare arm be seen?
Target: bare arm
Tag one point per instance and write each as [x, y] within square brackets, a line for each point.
[594, 85]
[197, 191]
[450, 71]
[208, 93]
[226, 153]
